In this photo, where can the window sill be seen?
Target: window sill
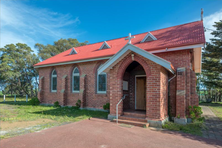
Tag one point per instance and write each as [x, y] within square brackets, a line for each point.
[102, 93]
[75, 92]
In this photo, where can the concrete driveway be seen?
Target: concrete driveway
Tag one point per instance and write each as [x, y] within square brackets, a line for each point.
[102, 133]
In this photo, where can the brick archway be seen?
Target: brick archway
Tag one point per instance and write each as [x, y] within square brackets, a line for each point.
[128, 61]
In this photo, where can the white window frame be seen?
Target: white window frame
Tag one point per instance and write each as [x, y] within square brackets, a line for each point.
[53, 76]
[75, 74]
[101, 92]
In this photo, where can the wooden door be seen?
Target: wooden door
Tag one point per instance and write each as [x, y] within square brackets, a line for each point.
[141, 93]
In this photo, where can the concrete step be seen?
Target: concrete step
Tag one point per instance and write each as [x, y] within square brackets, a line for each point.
[130, 122]
[132, 118]
[134, 114]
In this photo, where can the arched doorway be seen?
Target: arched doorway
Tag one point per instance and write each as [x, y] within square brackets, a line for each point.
[134, 85]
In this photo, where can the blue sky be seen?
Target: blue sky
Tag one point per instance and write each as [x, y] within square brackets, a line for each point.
[46, 21]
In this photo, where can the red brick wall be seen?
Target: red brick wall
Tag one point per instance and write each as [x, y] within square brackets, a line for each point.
[157, 77]
[92, 99]
[178, 59]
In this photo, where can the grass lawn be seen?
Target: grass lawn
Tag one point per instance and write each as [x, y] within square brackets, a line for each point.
[215, 107]
[20, 117]
[191, 128]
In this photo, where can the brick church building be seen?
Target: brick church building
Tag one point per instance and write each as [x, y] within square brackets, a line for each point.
[146, 77]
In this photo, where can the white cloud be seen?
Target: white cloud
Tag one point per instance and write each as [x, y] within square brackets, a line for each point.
[26, 24]
[209, 22]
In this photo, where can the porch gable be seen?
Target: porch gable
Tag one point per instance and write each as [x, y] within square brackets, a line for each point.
[126, 50]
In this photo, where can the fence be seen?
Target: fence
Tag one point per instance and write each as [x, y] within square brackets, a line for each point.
[9, 98]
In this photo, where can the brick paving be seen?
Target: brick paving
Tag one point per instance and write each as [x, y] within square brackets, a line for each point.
[213, 124]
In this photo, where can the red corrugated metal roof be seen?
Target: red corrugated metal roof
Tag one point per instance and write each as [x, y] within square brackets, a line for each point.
[176, 36]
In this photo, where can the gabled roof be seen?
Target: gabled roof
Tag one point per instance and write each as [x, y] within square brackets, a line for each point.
[127, 49]
[172, 37]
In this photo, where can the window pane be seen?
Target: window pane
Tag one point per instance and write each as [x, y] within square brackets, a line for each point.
[54, 73]
[76, 70]
[102, 82]
[76, 83]
[54, 83]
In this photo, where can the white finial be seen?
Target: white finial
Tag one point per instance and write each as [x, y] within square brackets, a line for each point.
[129, 38]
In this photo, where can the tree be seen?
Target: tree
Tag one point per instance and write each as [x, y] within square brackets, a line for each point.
[59, 46]
[211, 77]
[17, 70]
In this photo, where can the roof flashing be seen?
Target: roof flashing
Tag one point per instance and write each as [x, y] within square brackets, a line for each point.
[149, 37]
[104, 46]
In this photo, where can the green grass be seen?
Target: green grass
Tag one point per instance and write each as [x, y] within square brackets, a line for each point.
[191, 128]
[11, 111]
[215, 107]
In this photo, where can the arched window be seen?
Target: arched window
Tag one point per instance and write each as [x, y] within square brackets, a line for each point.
[101, 82]
[75, 80]
[54, 81]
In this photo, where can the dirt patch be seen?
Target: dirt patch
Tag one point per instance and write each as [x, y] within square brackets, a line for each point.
[5, 125]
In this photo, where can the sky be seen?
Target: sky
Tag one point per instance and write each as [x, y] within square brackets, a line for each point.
[46, 21]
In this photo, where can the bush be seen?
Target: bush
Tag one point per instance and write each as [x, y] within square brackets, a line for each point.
[56, 104]
[106, 106]
[78, 104]
[195, 113]
[34, 101]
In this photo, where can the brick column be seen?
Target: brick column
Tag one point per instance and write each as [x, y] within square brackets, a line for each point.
[194, 96]
[82, 95]
[64, 90]
[115, 94]
[181, 96]
[41, 90]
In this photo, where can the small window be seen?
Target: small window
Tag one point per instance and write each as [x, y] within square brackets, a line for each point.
[54, 81]
[75, 80]
[101, 83]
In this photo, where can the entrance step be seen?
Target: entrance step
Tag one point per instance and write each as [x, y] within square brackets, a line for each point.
[133, 114]
[132, 118]
[130, 122]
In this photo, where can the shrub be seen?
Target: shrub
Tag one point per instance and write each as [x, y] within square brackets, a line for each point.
[195, 113]
[56, 104]
[106, 106]
[34, 101]
[78, 104]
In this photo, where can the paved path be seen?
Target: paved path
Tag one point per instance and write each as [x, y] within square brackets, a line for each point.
[102, 133]
[213, 124]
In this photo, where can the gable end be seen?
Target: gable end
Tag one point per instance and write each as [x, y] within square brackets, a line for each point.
[104, 46]
[73, 51]
[149, 37]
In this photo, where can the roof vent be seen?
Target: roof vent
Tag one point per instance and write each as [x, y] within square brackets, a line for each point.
[104, 46]
[148, 37]
[73, 51]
